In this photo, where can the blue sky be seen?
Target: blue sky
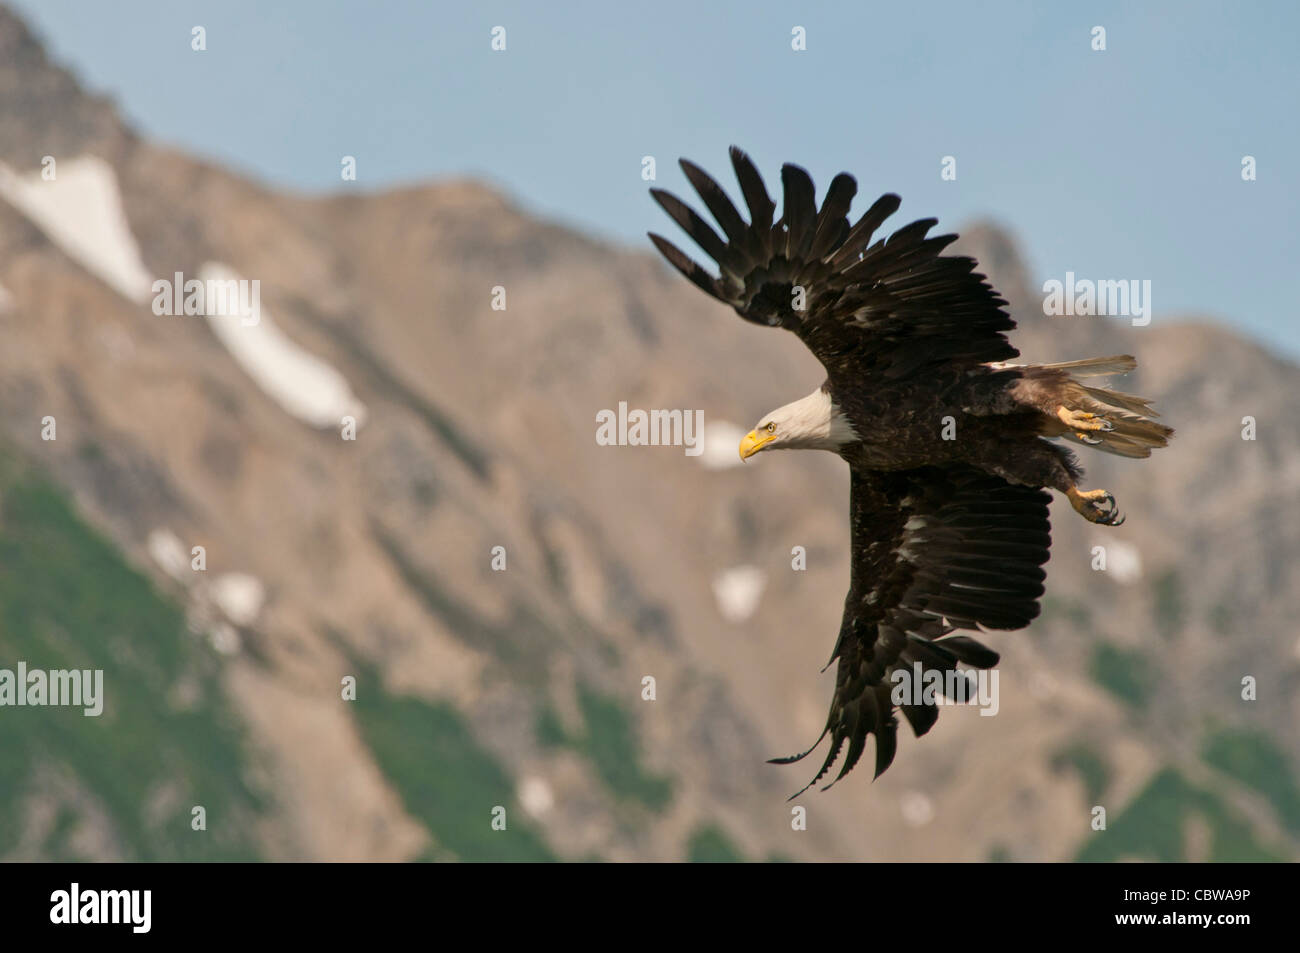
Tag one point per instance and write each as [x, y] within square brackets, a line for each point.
[1117, 164]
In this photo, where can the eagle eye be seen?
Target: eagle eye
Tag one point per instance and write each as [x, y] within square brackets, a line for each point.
[771, 428]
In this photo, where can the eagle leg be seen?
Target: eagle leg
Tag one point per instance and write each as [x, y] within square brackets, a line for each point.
[1080, 421]
[1096, 506]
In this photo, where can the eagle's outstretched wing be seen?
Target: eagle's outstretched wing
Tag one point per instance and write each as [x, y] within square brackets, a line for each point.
[891, 307]
[934, 550]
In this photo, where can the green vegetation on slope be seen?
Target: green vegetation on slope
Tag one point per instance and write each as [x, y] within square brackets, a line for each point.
[446, 780]
[610, 744]
[1088, 764]
[1154, 827]
[1252, 758]
[710, 845]
[1126, 675]
[1056, 608]
[165, 741]
[1169, 608]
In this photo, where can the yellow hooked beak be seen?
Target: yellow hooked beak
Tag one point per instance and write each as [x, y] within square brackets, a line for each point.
[755, 441]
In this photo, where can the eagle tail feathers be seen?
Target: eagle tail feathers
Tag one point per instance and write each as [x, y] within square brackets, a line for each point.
[1109, 420]
[1132, 433]
[1096, 366]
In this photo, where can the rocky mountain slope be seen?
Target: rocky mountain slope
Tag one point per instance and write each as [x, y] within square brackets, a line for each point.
[523, 687]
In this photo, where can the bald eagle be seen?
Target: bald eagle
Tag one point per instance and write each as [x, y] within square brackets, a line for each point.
[948, 443]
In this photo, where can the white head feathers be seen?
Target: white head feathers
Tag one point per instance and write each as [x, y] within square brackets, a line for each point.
[809, 423]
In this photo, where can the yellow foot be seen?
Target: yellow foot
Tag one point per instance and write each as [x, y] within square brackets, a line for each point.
[1081, 422]
[1096, 506]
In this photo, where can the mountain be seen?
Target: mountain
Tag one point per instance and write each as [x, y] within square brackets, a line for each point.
[375, 563]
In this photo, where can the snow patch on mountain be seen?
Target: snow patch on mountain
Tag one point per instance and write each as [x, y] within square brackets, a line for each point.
[536, 796]
[1124, 560]
[240, 596]
[167, 550]
[81, 211]
[917, 808]
[721, 445]
[738, 590]
[303, 384]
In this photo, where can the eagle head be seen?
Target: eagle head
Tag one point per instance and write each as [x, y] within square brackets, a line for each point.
[814, 422]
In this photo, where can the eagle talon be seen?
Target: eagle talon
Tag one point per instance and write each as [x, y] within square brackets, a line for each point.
[1096, 506]
[1081, 420]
